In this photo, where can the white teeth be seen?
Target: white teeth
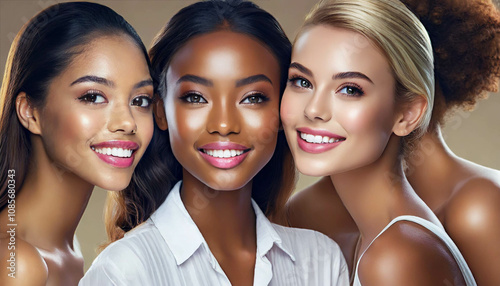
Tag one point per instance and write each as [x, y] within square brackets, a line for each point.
[319, 139]
[223, 153]
[116, 152]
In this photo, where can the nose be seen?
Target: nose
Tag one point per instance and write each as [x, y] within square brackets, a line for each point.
[319, 107]
[122, 120]
[223, 119]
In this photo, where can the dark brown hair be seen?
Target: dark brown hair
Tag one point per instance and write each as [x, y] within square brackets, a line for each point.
[465, 37]
[158, 170]
[41, 51]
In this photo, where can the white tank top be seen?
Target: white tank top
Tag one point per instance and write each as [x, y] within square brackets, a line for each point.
[467, 274]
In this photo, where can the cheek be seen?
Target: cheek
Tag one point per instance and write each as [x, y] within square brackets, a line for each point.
[290, 108]
[366, 118]
[261, 125]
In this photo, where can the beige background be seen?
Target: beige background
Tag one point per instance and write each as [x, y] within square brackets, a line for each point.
[474, 136]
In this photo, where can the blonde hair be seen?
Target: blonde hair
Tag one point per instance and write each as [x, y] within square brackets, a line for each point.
[399, 34]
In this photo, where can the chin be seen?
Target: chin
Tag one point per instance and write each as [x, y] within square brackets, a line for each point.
[113, 183]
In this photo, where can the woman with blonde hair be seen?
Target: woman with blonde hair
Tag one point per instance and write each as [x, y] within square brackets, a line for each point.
[360, 92]
[464, 196]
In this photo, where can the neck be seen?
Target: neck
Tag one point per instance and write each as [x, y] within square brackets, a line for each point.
[226, 219]
[50, 203]
[382, 194]
[430, 169]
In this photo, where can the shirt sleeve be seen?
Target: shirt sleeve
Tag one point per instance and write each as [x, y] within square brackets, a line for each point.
[117, 265]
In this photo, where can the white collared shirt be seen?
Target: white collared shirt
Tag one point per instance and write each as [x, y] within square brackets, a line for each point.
[169, 249]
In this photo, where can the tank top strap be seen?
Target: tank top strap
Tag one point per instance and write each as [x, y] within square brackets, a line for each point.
[439, 232]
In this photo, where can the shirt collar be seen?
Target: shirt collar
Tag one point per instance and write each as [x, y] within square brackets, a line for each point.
[183, 236]
[267, 236]
[177, 227]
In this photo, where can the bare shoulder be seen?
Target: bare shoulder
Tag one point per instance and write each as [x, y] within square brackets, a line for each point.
[474, 205]
[408, 254]
[21, 264]
[472, 220]
[319, 207]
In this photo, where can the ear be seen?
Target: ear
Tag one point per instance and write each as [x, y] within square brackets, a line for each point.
[410, 116]
[28, 116]
[160, 116]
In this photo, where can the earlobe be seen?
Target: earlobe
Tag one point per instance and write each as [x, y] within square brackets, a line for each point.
[28, 116]
[410, 116]
[160, 116]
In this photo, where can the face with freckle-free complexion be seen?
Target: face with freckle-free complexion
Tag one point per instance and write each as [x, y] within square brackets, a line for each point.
[97, 120]
[338, 109]
[222, 108]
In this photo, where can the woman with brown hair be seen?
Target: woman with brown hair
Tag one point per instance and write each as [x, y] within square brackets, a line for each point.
[76, 113]
[221, 163]
[465, 36]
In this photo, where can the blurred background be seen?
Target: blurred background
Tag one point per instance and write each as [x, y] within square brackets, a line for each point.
[474, 136]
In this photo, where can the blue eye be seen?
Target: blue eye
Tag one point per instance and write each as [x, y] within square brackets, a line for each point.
[92, 97]
[300, 82]
[193, 98]
[142, 101]
[255, 98]
[350, 90]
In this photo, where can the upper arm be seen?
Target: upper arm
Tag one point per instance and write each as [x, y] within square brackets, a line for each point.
[473, 222]
[118, 264]
[21, 264]
[406, 255]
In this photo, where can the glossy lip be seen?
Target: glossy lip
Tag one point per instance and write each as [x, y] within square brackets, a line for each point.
[117, 161]
[224, 163]
[315, 148]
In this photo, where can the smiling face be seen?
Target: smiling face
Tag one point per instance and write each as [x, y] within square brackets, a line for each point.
[222, 108]
[338, 110]
[97, 120]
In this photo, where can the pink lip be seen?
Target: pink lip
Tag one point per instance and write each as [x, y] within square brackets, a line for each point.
[315, 148]
[117, 161]
[223, 163]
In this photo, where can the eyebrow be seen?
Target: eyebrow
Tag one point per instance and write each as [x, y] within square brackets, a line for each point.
[195, 79]
[301, 68]
[351, 74]
[93, 78]
[147, 82]
[252, 79]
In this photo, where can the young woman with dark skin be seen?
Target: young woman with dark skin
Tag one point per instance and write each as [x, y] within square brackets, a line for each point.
[76, 113]
[222, 70]
[463, 195]
[360, 91]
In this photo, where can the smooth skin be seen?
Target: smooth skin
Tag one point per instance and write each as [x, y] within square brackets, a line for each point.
[463, 195]
[80, 111]
[353, 97]
[223, 87]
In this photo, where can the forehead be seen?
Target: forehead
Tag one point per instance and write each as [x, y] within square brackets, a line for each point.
[224, 53]
[341, 49]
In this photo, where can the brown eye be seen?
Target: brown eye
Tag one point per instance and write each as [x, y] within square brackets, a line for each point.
[255, 99]
[142, 101]
[194, 98]
[92, 97]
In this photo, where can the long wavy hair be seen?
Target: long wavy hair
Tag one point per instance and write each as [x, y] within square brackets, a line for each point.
[41, 51]
[158, 171]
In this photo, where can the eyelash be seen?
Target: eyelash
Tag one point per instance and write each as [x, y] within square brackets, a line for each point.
[358, 90]
[90, 97]
[294, 78]
[260, 96]
[92, 93]
[188, 97]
